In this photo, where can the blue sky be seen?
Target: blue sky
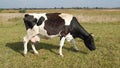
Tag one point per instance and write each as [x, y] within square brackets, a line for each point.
[58, 3]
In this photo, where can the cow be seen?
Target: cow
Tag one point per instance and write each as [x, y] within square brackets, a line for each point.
[50, 25]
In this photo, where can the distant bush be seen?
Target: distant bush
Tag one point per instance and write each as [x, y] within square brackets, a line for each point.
[1, 10]
[22, 11]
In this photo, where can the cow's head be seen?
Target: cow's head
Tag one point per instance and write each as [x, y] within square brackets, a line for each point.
[89, 42]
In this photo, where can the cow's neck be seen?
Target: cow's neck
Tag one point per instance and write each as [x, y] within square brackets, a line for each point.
[83, 34]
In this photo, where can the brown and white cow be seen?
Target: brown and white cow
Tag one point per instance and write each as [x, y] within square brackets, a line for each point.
[49, 25]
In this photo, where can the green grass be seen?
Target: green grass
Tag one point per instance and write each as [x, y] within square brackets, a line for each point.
[107, 54]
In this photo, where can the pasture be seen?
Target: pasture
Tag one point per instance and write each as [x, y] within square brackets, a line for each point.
[104, 24]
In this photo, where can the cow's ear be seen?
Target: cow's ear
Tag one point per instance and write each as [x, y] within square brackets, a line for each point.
[92, 34]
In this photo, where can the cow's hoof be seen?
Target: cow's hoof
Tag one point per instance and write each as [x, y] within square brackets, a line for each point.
[62, 55]
[23, 54]
[76, 50]
[36, 52]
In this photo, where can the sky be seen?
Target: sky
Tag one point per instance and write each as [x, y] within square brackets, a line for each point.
[58, 3]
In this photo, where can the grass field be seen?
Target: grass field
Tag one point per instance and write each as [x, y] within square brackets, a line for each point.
[104, 24]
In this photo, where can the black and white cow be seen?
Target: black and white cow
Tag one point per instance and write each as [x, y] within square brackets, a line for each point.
[49, 25]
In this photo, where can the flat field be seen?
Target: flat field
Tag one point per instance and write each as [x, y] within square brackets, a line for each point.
[104, 24]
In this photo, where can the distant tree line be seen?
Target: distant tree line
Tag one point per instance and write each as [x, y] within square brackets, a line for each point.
[61, 8]
[86, 8]
[23, 10]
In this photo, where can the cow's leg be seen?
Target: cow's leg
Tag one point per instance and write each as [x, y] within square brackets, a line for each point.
[70, 38]
[74, 45]
[61, 45]
[33, 41]
[34, 49]
[26, 40]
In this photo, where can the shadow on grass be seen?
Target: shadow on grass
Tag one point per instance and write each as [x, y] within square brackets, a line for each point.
[18, 47]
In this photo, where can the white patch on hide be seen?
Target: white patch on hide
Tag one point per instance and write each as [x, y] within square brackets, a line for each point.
[38, 15]
[69, 37]
[34, 31]
[67, 18]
